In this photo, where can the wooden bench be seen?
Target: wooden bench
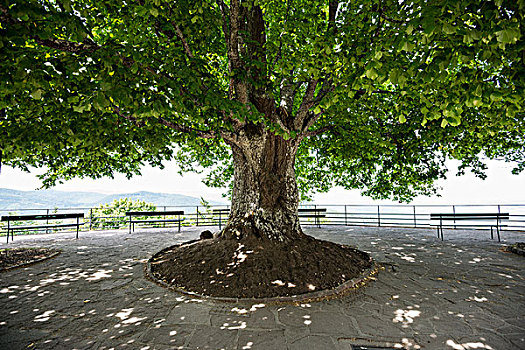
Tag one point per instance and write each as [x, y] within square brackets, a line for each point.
[492, 220]
[316, 213]
[47, 217]
[143, 214]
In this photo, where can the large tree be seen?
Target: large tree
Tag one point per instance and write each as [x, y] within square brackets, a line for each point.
[369, 94]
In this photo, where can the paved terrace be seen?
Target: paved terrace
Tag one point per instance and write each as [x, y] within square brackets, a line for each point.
[463, 293]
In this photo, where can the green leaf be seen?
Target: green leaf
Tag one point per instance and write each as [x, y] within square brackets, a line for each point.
[394, 75]
[37, 94]
[508, 36]
[408, 46]
[402, 118]
[105, 86]
[371, 73]
[448, 29]
[477, 102]
[78, 109]
[154, 12]
[67, 5]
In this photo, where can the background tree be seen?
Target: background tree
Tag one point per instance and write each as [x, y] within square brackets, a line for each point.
[363, 94]
[113, 215]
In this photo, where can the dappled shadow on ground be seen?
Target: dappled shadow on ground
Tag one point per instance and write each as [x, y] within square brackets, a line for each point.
[431, 294]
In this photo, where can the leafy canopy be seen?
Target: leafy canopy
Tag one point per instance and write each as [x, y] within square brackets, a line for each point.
[380, 92]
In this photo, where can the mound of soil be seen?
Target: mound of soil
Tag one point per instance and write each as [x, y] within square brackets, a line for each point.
[11, 258]
[257, 269]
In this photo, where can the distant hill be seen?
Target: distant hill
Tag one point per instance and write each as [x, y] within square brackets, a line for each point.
[43, 199]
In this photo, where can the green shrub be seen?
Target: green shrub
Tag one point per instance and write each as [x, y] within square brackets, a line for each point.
[113, 215]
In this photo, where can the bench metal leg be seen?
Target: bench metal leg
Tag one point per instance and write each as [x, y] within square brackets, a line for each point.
[440, 228]
[130, 224]
[491, 233]
[497, 230]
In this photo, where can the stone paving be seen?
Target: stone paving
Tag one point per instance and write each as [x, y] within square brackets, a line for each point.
[463, 293]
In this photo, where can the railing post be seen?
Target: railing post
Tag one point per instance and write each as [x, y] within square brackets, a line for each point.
[47, 221]
[415, 222]
[454, 211]
[90, 218]
[378, 217]
[164, 218]
[197, 213]
[316, 217]
[346, 220]
[498, 219]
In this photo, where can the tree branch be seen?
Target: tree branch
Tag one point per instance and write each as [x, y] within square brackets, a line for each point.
[332, 12]
[306, 104]
[311, 119]
[328, 86]
[59, 44]
[235, 64]
[319, 131]
[86, 46]
[362, 92]
[207, 134]
[182, 39]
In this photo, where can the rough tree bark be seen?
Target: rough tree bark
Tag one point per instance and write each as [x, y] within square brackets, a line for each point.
[265, 195]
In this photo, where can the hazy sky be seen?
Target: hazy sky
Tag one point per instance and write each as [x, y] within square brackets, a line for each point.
[501, 187]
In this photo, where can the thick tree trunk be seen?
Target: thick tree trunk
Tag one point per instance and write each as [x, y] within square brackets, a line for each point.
[265, 196]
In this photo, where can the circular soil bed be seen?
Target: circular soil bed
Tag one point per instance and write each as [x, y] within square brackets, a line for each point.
[257, 269]
[18, 257]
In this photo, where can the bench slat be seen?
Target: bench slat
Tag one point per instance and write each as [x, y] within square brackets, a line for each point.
[168, 220]
[154, 213]
[42, 217]
[473, 216]
[42, 226]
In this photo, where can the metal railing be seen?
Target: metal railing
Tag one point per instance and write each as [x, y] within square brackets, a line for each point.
[414, 216]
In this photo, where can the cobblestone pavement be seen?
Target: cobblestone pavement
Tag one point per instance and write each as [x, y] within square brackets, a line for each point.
[463, 293]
